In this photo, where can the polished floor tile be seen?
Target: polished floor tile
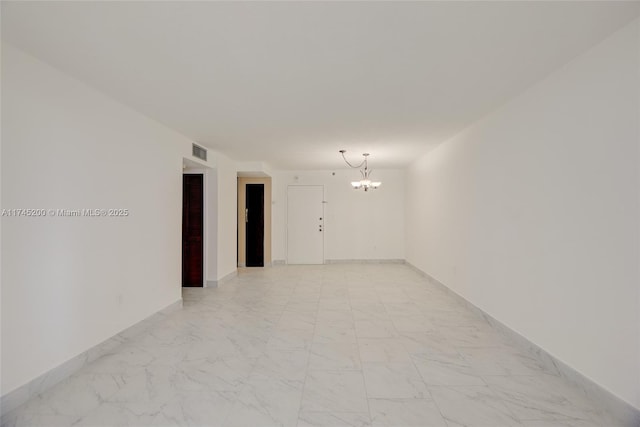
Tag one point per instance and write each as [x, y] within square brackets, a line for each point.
[316, 346]
[405, 412]
[393, 381]
[472, 406]
[334, 419]
[334, 391]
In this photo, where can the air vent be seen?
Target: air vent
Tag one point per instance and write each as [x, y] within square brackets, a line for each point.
[199, 152]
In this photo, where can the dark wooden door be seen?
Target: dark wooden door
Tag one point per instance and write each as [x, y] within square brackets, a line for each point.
[192, 230]
[254, 219]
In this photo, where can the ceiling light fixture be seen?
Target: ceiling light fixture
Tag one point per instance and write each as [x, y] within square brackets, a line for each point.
[365, 183]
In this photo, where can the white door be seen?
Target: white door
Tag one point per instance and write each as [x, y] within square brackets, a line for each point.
[305, 224]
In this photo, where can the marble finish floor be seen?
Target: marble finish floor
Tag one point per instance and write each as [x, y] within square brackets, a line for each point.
[333, 345]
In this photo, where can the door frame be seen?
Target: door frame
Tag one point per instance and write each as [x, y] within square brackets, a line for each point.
[204, 174]
[324, 216]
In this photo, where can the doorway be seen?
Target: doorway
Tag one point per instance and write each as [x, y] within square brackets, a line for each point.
[305, 224]
[192, 230]
[243, 182]
[254, 225]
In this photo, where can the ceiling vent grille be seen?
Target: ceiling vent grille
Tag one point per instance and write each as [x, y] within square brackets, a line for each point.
[199, 152]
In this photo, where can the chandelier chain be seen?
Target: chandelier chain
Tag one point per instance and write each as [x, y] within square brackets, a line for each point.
[364, 162]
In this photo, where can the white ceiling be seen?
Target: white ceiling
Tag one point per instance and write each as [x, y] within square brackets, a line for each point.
[291, 83]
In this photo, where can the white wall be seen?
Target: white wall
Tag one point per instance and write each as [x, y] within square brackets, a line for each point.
[70, 283]
[638, 260]
[532, 214]
[227, 178]
[358, 225]
[221, 216]
[211, 221]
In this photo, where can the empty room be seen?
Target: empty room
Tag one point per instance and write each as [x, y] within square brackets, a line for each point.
[327, 214]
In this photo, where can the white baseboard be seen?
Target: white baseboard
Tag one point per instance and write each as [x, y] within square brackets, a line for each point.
[364, 261]
[349, 261]
[223, 280]
[623, 413]
[19, 396]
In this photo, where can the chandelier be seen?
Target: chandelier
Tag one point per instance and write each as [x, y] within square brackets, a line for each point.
[365, 183]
